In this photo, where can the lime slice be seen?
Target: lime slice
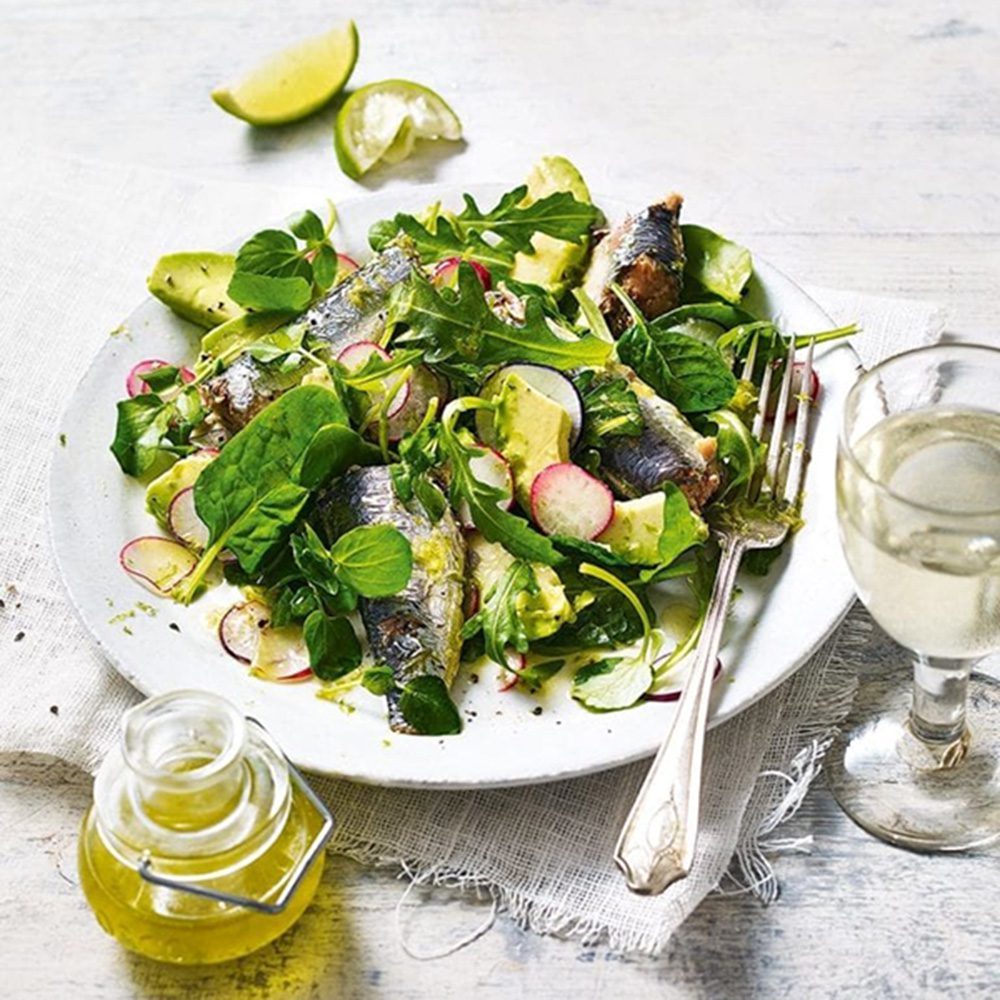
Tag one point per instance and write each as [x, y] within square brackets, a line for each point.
[383, 121]
[555, 173]
[293, 83]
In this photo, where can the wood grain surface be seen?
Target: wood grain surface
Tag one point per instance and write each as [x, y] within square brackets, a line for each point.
[854, 143]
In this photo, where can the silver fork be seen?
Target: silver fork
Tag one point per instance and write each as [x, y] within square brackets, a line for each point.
[657, 843]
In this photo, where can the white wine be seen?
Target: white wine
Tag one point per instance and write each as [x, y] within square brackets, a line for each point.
[925, 548]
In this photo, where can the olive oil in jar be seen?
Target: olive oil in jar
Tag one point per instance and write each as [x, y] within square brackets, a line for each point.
[202, 798]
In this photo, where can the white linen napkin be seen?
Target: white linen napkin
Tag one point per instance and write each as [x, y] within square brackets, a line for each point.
[77, 241]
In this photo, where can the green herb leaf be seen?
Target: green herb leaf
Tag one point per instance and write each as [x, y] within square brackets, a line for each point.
[332, 451]
[682, 527]
[274, 253]
[498, 618]
[376, 560]
[535, 676]
[737, 451]
[610, 407]
[379, 679]
[268, 293]
[445, 242]
[611, 684]
[428, 708]
[307, 226]
[325, 266]
[314, 561]
[142, 423]
[333, 647]
[164, 377]
[463, 327]
[714, 264]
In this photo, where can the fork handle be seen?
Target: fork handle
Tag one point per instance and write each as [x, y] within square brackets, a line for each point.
[657, 842]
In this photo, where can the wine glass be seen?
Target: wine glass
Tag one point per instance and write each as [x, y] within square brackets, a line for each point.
[918, 501]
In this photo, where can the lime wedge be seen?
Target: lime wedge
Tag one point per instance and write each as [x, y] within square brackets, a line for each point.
[555, 173]
[293, 83]
[383, 121]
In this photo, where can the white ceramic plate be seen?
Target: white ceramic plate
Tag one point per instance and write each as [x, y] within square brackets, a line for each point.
[776, 624]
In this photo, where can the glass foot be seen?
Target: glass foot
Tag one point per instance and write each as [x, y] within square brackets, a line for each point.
[926, 797]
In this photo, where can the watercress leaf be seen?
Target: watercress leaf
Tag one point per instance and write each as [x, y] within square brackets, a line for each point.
[267, 293]
[273, 253]
[682, 527]
[613, 683]
[610, 407]
[558, 215]
[314, 562]
[428, 708]
[714, 264]
[378, 679]
[382, 233]
[164, 377]
[141, 424]
[324, 267]
[332, 451]
[333, 647]
[463, 327]
[255, 476]
[376, 560]
[307, 226]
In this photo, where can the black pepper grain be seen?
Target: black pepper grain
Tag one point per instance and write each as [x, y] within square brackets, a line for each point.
[54, 709]
[175, 626]
[18, 637]
[537, 710]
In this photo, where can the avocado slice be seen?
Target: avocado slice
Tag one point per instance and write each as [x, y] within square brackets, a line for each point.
[554, 262]
[167, 485]
[542, 614]
[532, 432]
[634, 532]
[194, 283]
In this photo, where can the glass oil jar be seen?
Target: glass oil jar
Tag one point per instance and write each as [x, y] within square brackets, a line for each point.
[202, 843]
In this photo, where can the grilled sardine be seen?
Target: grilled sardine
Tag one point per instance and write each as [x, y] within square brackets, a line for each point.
[416, 631]
[240, 392]
[645, 255]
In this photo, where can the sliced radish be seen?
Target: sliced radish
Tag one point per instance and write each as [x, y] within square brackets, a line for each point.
[674, 693]
[134, 384]
[511, 673]
[549, 382]
[445, 273]
[346, 265]
[424, 386]
[566, 500]
[355, 356]
[184, 522]
[159, 564]
[798, 371]
[241, 628]
[281, 654]
[491, 468]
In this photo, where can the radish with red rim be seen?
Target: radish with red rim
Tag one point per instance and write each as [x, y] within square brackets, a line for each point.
[567, 500]
[135, 386]
[552, 384]
[492, 469]
[798, 369]
[445, 273]
[346, 265]
[184, 522]
[281, 655]
[159, 564]
[355, 356]
[510, 672]
[674, 694]
[240, 629]
[425, 385]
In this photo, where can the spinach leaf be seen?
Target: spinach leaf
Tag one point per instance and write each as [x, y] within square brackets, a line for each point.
[428, 708]
[251, 494]
[721, 313]
[682, 527]
[333, 449]
[692, 375]
[333, 647]
[714, 264]
[610, 407]
[375, 560]
[613, 683]
[463, 327]
[498, 618]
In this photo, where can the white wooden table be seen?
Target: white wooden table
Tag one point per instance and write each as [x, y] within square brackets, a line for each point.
[852, 142]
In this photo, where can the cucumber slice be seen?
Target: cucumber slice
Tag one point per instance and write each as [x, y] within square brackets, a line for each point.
[383, 121]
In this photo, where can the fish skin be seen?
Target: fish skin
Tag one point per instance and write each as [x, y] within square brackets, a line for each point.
[669, 449]
[355, 309]
[645, 256]
[245, 388]
[416, 631]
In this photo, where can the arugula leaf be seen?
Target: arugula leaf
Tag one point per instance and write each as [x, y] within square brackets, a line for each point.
[613, 683]
[252, 495]
[692, 375]
[496, 525]
[714, 264]
[443, 242]
[558, 215]
[498, 618]
[376, 560]
[333, 647]
[464, 327]
[428, 708]
[610, 407]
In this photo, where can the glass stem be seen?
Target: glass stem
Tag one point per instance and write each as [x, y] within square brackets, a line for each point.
[940, 687]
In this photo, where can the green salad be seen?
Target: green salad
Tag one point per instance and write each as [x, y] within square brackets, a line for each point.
[488, 438]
